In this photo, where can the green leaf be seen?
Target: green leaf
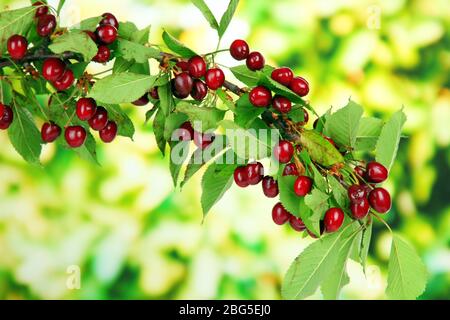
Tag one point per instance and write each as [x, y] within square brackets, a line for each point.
[158, 129]
[288, 197]
[6, 92]
[317, 201]
[226, 99]
[319, 180]
[89, 24]
[15, 22]
[179, 150]
[75, 41]
[387, 145]
[167, 102]
[127, 30]
[121, 65]
[78, 68]
[133, 51]
[342, 126]
[215, 182]
[176, 46]
[208, 116]
[368, 133]
[339, 192]
[319, 149]
[245, 75]
[227, 16]
[297, 114]
[266, 80]
[149, 114]
[201, 5]
[125, 126]
[141, 36]
[173, 122]
[245, 112]
[362, 245]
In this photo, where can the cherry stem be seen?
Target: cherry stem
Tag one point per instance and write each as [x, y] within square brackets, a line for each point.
[217, 51]
[381, 220]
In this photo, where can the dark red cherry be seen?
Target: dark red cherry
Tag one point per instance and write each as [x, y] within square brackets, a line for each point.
[41, 10]
[283, 75]
[241, 177]
[255, 173]
[360, 209]
[215, 78]
[103, 54]
[17, 47]
[255, 61]
[109, 19]
[360, 172]
[260, 96]
[270, 187]
[182, 85]
[300, 86]
[53, 69]
[297, 223]
[75, 136]
[7, 118]
[183, 65]
[91, 35]
[142, 101]
[99, 120]
[280, 215]
[109, 132]
[283, 151]
[356, 193]
[107, 34]
[376, 172]
[203, 141]
[50, 132]
[2, 110]
[239, 50]
[185, 132]
[86, 108]
[197, 67]
[199, 90]
[380, 200]
[305, 117]
[46, 25]
[154, 93]
[290, 170]
[302, 186]
[65, 81]
[334, 218]
[281, 104]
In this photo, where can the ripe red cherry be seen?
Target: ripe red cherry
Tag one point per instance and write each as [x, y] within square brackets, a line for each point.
[53, 69]
[239, 50]
[199, 90]
[75, 136]
[380, 200]
[203, 141]
[360, 209]
[99, 120]
[65, 82]
[283, 75]
[46, 25]
[197, 67]
[255, 61]
[283, 151]
[142, 101]
[281, 104]
[290, 170]
[255, 173]
[305, 117]
[41, 10]
[182, 85]
[154, 93]
[50, 132]
[270, 187]
[302, 186]
[300, 86]
[360, 172]
[260, 96]
[7, 118]
[86, 108]
[376, 172]
[241, 177]
[91, 35]
[280, 215]
[334, 218]
[103, 54]
[185, 132]
[2, 110]
[356, 193]
[297, 224]
[107, 34]
[214, 78]
[109, 19]
[183, 65]
[17, 47]
[109, 132]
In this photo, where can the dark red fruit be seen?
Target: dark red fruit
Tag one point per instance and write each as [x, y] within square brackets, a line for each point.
[99, 120]
[270, 187]
[182, 85]
[330, 141]
[281, 104]
[91, 35]
[380, 200]
[214, 78]
[107, 34]
[239, 50]
[46, 25]
[241, 177]
[2, 110]
[305, 117]
[356, 193]
[142, 101]
[50, 132]
[41, 10]
[360, 172]
[255, 173]
[109, 132]
[376, 172]
[280, 215]
[255, 61]
[283, 75]
[75, 136]
[360, 209]
[300, 86]
[297, 224]
[185, 132]
[17, 47]
[302, 186]
[86, 108]
[334, 218]
[7, 118]
[103, 54]
[199, 90]
[109, 19]
[53, 69]
[203, 140]
[65, 82]
[260, 96]
[154, 93]
[183, 65]
[197, 67]
[290, 170]
[283, 151]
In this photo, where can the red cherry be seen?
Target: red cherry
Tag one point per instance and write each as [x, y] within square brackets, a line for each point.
[142, 101]
[91, 35]
[283, 75]
[302, 186]
[41, 10]
[75, 136]
[360, 172]
[239, 50]
[109, 19]
[185, 132]
[360, 209]
[199, 90]
[154, 93]
[281, 104]
[215, 78]
[86, 108]
[270, 187]
[183, 65]
[255, 173]
[290, 170]
[197, 67]
[203, 141]
[305, 117]
[300, 86]
[46, 25]
[2, 110]
[65, 81]
[103, 54]
[50, 132]
[334, 218]
[280, 215]
[297, 224]
[356, 193]
[17, 47]
[283, 151]
[99, 120]
[53, 69]
[255, 61]
[109, 132]
[376, 172]
[380, 200]
[182, 85]
[241, 177]
[7, 118]
[260, 96]
[107, 34]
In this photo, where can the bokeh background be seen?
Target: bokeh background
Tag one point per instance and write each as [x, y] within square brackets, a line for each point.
[133, 236]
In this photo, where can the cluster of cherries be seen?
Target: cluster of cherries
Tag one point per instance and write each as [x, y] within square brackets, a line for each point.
[105, 34]
[86, 110]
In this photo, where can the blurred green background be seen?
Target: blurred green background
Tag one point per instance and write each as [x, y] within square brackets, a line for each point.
[132, 236]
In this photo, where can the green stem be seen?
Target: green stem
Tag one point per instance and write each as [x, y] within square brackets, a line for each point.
[382, 221]
[215, 52]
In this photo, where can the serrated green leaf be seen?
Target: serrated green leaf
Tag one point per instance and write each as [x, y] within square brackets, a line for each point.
[388, 142]
[133, 51]
[127, 30]
[208, 116]
[317, 201]
[15, 22]
[89, 24]
[319, 180]
[167, 102]
[266, 80]
[141, 36]
[75, 41]
[407, 275]
[125, 126]
[78, 69]
[297, 114]
[227, 17]
[362, 245]
[179, 151]
[288, 197]
[201, 5]
[173, 122]
[176, 46]
[245, 112]
[121, 65]
[158, 129]
[368, 133]
[319, 149]
[226, 99]
[245, 75]
[339, 192]
[6, 92]
[149, 114]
